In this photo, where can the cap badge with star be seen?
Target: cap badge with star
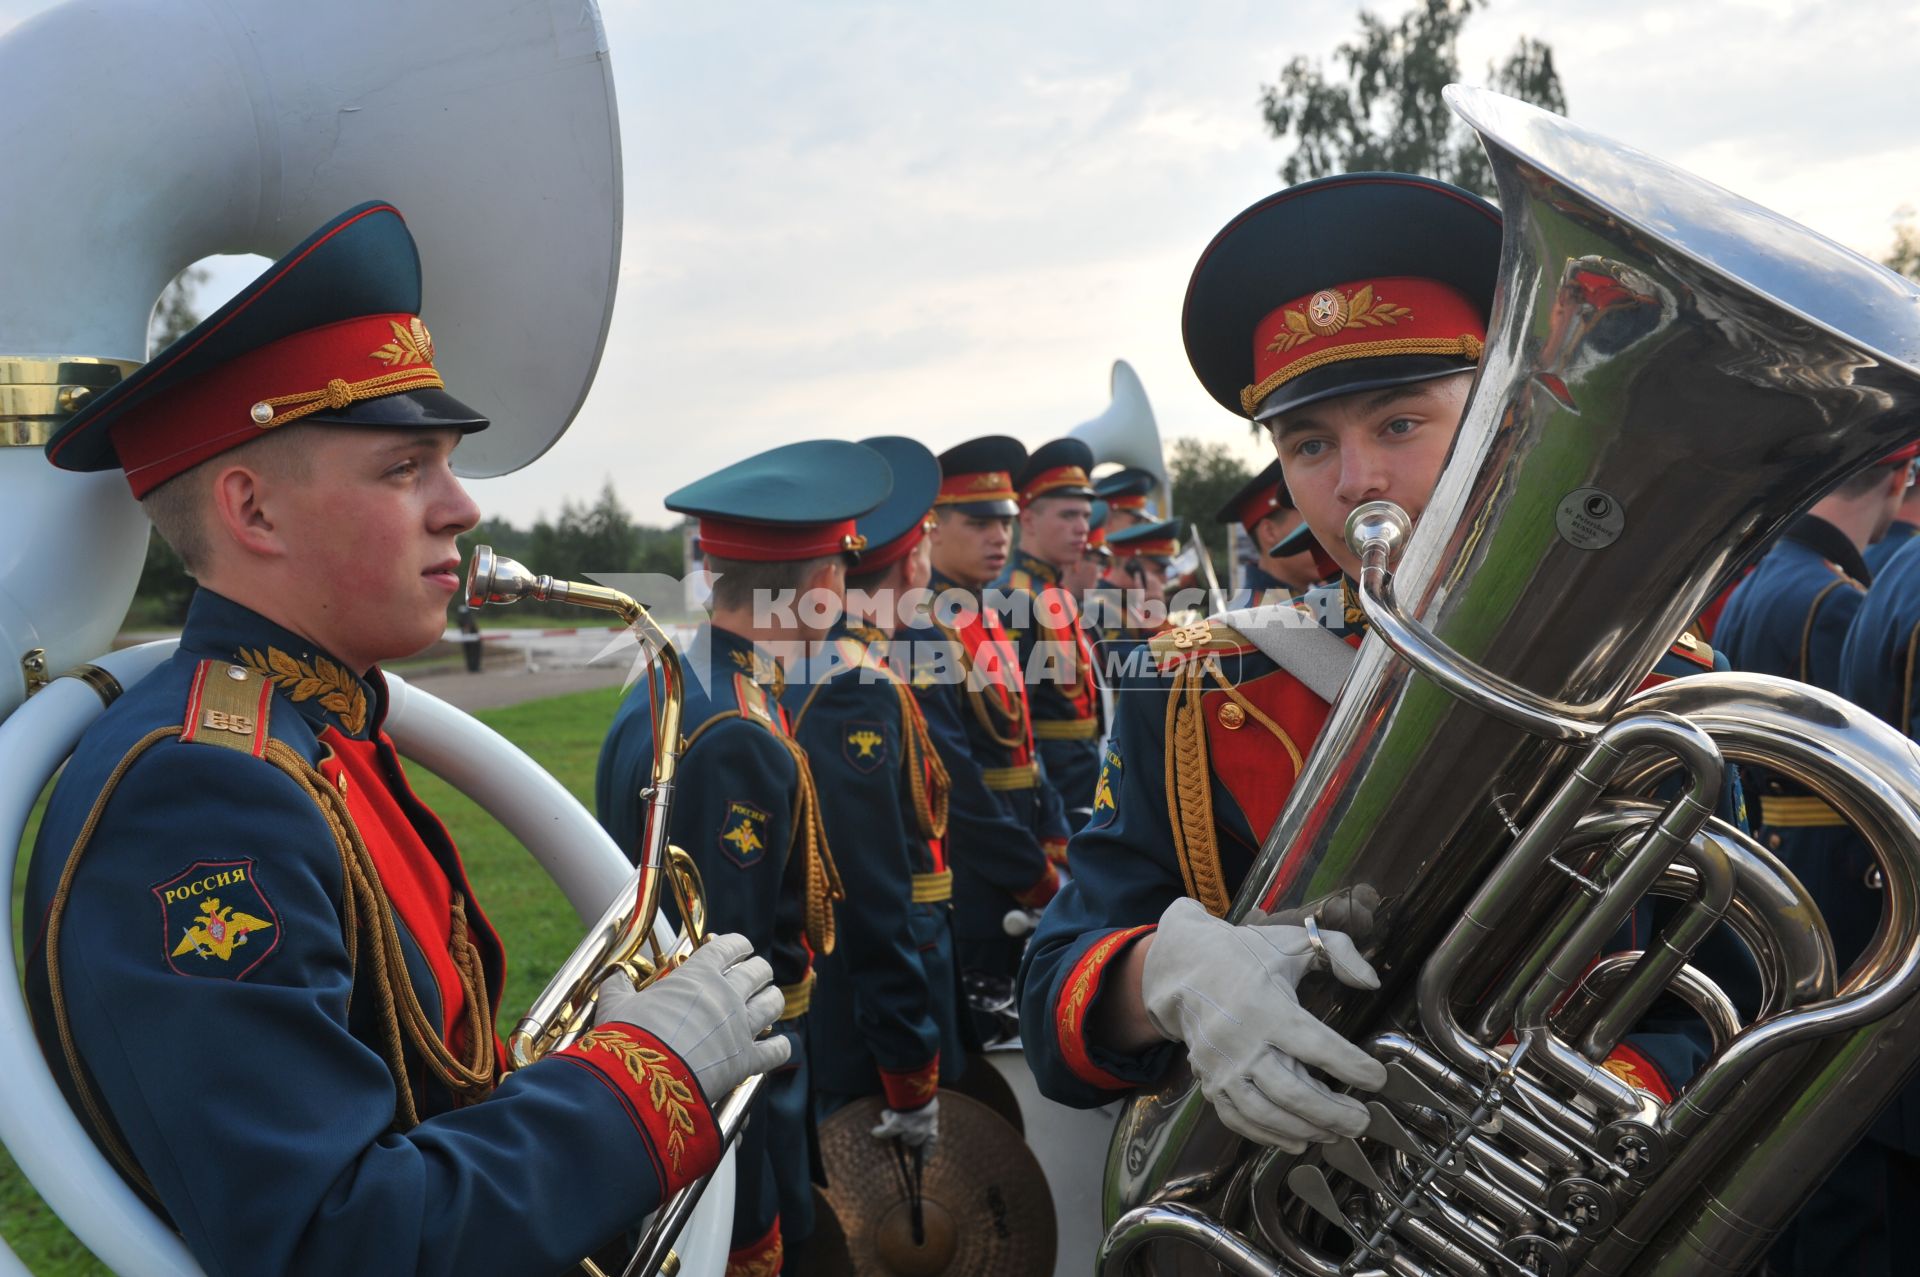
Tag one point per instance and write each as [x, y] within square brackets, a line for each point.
[330, 334]
[1345, 284]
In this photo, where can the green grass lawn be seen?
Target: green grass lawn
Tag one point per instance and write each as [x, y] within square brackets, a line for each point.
[563, 735]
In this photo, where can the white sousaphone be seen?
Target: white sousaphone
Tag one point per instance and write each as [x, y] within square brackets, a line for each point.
[1126, 434]
[160, 132]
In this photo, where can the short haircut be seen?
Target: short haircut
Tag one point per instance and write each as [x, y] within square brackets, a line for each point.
[178, 507]
[736, 582]
[1866, 480]
[871, 581]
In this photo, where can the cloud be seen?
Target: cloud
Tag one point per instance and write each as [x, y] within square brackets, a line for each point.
[949, 219]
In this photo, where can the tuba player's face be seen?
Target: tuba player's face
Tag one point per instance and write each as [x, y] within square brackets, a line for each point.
[1377, 445]
[371, 539]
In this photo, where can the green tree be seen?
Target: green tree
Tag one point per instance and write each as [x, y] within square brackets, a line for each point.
[588, 538]
[1905, 256]
[177, 311]
[1386, 112]
[1204, 477]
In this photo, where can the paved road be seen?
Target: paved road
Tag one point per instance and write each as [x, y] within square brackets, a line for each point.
[524, 665]
[508, 683]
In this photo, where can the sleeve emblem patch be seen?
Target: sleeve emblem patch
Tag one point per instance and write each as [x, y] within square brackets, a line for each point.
[864, 745]
[1104, 807]
[215, 920]
[743, 834]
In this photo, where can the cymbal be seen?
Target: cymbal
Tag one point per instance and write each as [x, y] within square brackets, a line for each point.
[825, 1253]
[984, 1201]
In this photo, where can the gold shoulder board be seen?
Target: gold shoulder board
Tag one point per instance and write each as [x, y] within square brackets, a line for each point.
[227, 705]
[1204, 638]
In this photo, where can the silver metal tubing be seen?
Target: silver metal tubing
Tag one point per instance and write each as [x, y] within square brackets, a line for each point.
[1694, 987]
[1560, 1147]
[1376, 532]
[1147, 1224]
[672, 1217]
[1509, 883]
[1871, 775]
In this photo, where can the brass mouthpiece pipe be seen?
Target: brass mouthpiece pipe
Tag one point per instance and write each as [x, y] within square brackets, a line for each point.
[564, 1009]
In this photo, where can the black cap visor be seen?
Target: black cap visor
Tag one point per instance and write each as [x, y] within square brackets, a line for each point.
[424, 409]
[1298, 541]
[1356, 376]
[1002, 509]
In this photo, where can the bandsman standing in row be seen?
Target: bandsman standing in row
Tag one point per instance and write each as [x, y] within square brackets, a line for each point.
[1142, 561]
[1129, 497]
[1790, 618]
[1288, 561]
[1042, 617]
[1815, 610]
[1135, 963]
[777, 526]
[1001, 820]
[261, 975]
[1905, 526]
[1866, 1217]
[884, 1018]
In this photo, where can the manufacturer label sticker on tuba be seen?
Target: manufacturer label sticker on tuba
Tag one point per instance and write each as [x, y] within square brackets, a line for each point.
[1590, 519]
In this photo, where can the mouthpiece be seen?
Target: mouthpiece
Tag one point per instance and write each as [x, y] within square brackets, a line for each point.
[493, 578]
[1378, 523]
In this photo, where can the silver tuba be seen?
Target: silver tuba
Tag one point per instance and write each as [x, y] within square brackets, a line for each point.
[1672, 375]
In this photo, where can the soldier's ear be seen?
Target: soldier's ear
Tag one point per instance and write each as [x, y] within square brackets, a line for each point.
[240, 512]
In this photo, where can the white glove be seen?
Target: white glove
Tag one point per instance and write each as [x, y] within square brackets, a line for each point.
[709, 1011]
[1349, 909]
[919, 1128]
[1228, 992]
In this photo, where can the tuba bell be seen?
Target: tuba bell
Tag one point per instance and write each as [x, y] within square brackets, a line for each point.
[1672, 374]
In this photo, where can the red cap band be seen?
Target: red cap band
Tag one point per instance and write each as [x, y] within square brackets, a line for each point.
[322, 368]
[1162, 549]
[776, 542]
[895, 550]
[1129, 501]
[1260, 505]
[984, 485]
[1397, 315]
[1053, 480]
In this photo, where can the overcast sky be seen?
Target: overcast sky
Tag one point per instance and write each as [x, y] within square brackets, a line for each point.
[948, 219]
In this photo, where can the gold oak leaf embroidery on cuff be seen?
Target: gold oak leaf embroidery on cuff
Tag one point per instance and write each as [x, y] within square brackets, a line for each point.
[671, 1097]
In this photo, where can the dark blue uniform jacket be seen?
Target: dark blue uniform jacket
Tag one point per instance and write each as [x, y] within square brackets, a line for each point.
[884, 1016]
[743, 805]
[222, 981]
[1126, 870]
[1877, 668]
[998, 830]
[1043, 621]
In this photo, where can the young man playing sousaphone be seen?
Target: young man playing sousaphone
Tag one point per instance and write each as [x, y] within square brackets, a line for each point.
[885, 1018]
[779, 534]
[1346, 315]
[258, 968]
